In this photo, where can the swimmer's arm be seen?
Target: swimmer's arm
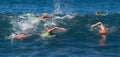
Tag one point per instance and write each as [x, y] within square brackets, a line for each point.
[98, 23]
[43, 17]
[50, 30]
[93, 26]
[48, 16]
[60, 28]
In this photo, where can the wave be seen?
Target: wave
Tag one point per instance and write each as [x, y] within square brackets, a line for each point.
[78, 34]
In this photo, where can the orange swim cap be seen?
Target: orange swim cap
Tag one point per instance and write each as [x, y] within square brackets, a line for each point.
[103, 32]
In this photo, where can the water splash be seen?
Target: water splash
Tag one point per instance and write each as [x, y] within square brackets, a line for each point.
[58, 7]
[23, 23]
[49, 24]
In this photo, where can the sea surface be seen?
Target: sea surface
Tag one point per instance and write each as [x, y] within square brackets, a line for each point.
[76, 16]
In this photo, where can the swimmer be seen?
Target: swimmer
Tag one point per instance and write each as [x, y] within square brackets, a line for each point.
[20, 36]
[98, 13]
[45, 16]
[49, 31]
[102, 31]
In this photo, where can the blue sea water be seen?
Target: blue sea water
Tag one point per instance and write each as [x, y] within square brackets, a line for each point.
[79, 40]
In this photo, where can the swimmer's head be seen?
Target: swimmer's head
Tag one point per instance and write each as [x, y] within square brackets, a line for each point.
[98, 13]
[28, 14]
[36, 20]
[102, 32]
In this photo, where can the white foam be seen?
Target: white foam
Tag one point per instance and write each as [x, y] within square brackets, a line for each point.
[49, 24]
[26, 26]
[58, 7]
[24, 23]
[64, 17]
[11, 36]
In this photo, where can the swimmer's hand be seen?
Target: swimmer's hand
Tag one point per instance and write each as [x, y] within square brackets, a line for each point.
[62, 29]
